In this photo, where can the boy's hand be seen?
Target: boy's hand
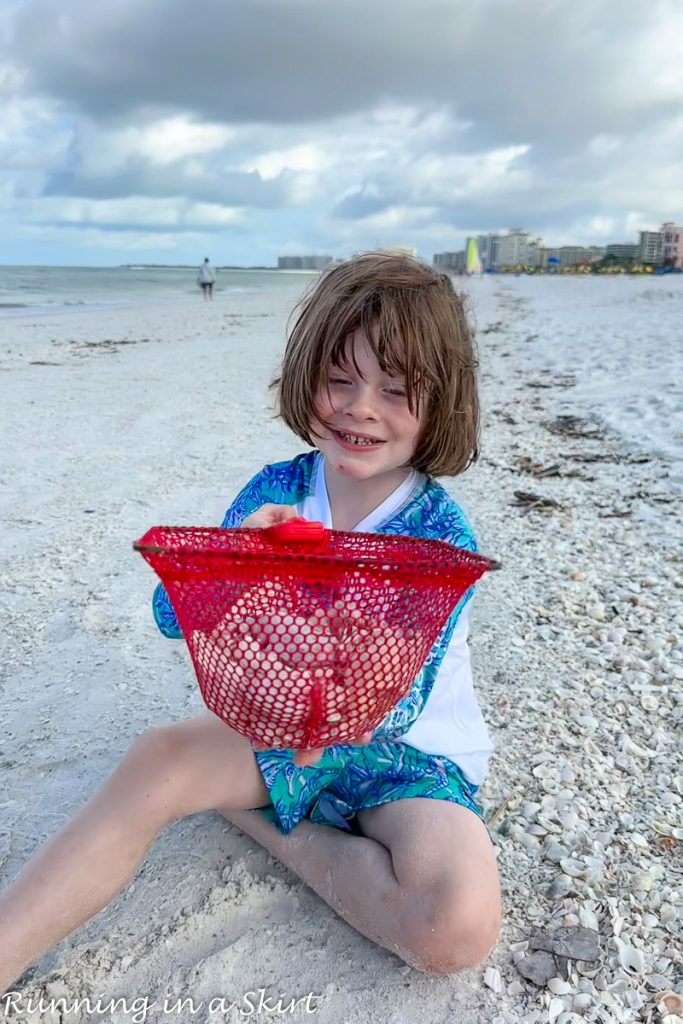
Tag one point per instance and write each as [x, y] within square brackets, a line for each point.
[304, 758]
[269, 515]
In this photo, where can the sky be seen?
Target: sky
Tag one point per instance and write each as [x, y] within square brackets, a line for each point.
[166, 131]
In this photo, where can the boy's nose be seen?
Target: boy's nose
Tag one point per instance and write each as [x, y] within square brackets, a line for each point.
[360, 405]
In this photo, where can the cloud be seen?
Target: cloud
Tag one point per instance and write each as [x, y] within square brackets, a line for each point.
[341, 124]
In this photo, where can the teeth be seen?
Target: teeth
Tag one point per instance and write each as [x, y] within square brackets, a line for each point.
[355, 440]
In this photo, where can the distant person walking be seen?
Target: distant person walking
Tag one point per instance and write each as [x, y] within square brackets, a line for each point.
[206, 278]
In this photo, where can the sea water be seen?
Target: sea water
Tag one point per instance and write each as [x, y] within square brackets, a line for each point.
[48, 289]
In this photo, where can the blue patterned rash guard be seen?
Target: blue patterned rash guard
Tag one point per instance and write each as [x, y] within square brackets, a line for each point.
[455, 728]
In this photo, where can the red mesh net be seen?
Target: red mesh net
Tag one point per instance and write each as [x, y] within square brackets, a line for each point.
[305, 637]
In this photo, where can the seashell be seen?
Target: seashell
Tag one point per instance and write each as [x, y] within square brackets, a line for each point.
[572, 867]
[587, 971]
[668, 913]
[627, 746]
[617, 923]
[554, 852]
[582, 1002]
[555, 1008]
[493, 980]
[643, 881]
[588, 919]
[542, 758]
[550, 826]
[633, 999]
[638, 840]
[670, 1002]
[630, 958]
[560, 887]
[559, 987]
[519, 947]
[657, 982]
[662, 827]
[569, 820]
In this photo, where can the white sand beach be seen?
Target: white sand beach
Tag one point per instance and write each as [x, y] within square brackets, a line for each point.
[116, 420]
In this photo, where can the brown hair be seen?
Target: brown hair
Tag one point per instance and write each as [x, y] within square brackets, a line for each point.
[416, 325]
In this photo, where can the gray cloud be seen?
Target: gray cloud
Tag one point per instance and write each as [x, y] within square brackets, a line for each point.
[533, 70]
[229, 188]
[342, 123]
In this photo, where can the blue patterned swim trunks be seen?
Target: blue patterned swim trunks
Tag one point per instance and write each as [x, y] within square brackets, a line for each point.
[348, 779]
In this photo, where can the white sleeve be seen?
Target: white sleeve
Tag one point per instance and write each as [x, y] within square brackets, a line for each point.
[451, 723]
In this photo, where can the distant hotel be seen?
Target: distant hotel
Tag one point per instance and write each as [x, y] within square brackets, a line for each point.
[518, 248]
[303, 262]
[321, 262]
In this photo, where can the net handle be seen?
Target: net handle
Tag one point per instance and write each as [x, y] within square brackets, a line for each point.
[298, 531]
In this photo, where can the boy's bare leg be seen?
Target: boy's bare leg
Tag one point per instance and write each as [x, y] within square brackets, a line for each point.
[168, 773]
[422, 881]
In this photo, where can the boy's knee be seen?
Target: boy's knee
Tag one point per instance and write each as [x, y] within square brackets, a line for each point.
[454, 935]
[155, 748]
[154, 767]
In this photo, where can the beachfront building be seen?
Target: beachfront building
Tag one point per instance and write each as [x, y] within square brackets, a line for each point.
[672, 244]
[450, 262]
[621, 252]
[406, 250]
[517, 248]
[569, 256]
[488, 250]
[650, 247]
[303, 262]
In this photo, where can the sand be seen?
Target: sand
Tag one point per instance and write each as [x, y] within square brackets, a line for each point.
[116, 420]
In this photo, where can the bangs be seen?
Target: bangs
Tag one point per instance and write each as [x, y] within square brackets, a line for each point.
[389, 322]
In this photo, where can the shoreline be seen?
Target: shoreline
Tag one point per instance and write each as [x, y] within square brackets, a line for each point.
[575, 643]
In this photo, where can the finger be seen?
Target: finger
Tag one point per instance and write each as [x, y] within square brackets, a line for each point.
[304, 758]
[268, 515]
[363, 740]
[281, 514]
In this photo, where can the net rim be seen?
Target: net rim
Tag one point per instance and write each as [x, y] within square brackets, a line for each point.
[295, 554]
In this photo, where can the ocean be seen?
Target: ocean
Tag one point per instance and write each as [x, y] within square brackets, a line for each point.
[48, 289]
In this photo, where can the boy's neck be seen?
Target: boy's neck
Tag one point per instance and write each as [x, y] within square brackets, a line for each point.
[352, 500]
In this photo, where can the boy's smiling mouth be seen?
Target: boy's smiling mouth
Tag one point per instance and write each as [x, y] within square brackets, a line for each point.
[357, 440]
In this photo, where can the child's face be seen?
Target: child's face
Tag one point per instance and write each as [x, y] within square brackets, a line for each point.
[367, 406]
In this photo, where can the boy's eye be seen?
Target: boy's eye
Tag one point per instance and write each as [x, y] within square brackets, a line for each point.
[338, 380]
[401, 392]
